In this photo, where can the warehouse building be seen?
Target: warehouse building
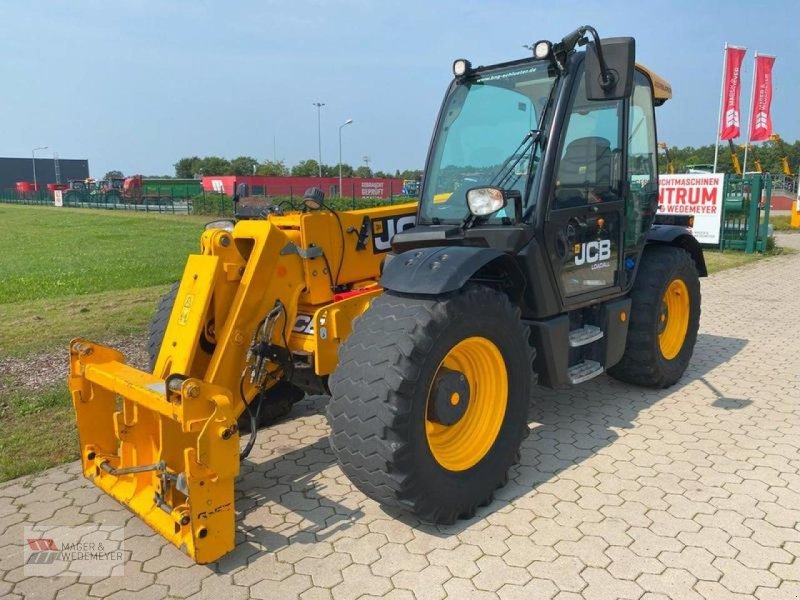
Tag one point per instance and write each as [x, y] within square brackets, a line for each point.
[13, 170]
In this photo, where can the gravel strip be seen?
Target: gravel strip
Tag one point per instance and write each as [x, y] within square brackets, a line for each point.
[44, 369]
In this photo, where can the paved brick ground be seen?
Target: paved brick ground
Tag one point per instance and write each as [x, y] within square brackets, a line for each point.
[691, 492]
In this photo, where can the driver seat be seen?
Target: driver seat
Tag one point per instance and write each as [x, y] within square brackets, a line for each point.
[585, 167]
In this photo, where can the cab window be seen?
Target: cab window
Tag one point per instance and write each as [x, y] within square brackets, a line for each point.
[642, 162]
[589, 167]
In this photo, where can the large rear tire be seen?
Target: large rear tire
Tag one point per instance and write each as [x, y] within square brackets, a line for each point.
[665, 317]
[429, 402]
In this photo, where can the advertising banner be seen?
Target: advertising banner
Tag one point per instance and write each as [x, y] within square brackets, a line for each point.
[694, 195]
[732, 91]
[761, 119]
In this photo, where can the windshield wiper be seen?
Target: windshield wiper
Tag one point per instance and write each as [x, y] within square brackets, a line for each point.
[507, 168]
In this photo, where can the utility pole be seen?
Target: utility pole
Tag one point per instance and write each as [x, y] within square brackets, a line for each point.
[319, 106]
[340, 153]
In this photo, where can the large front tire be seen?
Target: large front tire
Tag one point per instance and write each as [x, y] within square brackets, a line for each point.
[429, 402]
[665, 317]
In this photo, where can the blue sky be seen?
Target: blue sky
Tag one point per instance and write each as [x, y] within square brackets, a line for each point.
[137, 84]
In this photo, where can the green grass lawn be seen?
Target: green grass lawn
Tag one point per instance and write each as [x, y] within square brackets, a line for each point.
[67, 273]
[56, 252]
[97, 274]
[780, 222]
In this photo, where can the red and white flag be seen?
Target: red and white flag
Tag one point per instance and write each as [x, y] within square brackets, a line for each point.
[761, 119]
[732, 86]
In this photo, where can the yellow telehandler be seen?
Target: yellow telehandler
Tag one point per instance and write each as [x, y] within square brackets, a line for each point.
[533, 256]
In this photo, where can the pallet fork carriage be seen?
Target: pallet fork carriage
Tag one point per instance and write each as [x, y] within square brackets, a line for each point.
[532, 256]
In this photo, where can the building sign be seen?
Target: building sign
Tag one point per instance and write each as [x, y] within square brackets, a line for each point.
[372, 189]
[694, 195]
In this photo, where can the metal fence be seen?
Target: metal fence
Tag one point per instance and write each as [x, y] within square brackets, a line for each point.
[169, 200]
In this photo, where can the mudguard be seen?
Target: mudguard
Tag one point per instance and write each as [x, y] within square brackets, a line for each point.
[677, 235]
[435, 270]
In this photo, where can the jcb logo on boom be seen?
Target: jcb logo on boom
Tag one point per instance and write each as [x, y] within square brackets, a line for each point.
[592, 252]
[383, 230]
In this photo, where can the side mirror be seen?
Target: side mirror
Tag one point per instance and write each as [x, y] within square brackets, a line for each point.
[609, 69]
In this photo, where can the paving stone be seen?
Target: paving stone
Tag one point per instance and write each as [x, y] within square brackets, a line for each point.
[713, 590]
[674, 583]
[535, 589]
[460, 561]
[42, 588]
[425, 584]
[711, 538]
[356, 580]
[601, 585]
[291, 587]
[621, 492]
[494, 573]
[325, 572]
[787, 589]
[564, 572]
[220, 587]
[183, 581]
[697, 561]
[756, 556]
[395, 558]
[522, 552]
[589, 549]
[743, 580]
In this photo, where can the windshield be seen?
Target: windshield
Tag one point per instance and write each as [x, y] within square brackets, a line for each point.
[486, 136]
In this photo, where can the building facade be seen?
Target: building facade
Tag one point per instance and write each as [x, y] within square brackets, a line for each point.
[13, 170]
[256, 185]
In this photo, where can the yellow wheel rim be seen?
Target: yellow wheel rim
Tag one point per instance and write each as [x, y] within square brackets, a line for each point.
[673, 320]
[462, 445]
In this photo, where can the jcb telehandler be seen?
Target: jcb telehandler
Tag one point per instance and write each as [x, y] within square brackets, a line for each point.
[534, 258]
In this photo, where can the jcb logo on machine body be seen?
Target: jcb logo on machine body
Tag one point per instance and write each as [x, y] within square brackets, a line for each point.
[383, 230]
[592, 252]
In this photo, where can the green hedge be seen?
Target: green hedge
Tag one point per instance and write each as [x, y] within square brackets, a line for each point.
[221, 205]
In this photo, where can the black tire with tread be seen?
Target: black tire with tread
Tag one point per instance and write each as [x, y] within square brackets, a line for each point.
[158, 324]
[379, 396]
[643, 363]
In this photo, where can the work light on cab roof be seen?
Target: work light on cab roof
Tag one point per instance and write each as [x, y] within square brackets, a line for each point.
[461, 67]
[542, 49]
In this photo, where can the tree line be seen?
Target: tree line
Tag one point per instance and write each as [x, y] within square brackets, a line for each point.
[195, 166]
[769, 154]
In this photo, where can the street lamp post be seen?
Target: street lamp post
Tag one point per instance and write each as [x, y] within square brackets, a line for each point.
[33, 163]
[340, 153]
[319, 106]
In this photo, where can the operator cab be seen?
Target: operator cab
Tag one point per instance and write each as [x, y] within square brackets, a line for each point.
[552, 161]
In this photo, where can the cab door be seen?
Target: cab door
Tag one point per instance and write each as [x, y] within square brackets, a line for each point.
[584, 218]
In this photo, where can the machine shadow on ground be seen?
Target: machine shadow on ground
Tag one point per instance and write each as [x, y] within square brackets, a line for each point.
[567, 427]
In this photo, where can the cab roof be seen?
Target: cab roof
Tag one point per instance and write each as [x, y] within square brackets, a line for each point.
[662, 90]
